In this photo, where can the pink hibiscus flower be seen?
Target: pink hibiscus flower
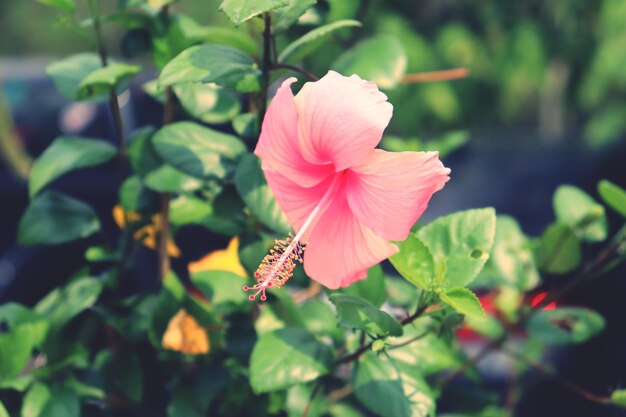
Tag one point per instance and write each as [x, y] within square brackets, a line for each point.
[345, 199]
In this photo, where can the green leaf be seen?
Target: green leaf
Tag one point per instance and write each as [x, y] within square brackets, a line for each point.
[356, 313]
[187, 209]
[618, 398]
[198, 151]
[287, 16]
[308, 43]
[371, 288]
[35, 400]
[67, 6]
[52, 218]
[463, 241]
[415, 262]
[207, 102]
[26, 330]
[464, 301]
[381, 59]
[299, 399]
[380, 386]
[62, 402]
[253, 189]
[559, 250]
[246, 125]
[133, 195]
[222, 288]
[67, 154]
[238, 11]
[230, 37]
[141, 154]
[512, 255]
[613, 195]
[3, 411]
[68, 73]
[287, 357]
[167, 179]
[218, 64]
[565, 325]
[577, 209]
[103, 79]
[62, 304]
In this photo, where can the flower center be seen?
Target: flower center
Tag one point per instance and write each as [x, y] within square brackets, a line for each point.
[278, 265]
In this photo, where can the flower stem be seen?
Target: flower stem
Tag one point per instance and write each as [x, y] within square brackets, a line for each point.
[294, 68]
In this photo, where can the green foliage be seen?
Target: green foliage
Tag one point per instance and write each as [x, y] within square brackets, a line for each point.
[389, 391]
[308, 43]
[62, 304]
[68, 73]
[415, 263]
[208, 103]
[26, 330]
[103, 79]
[356, 313]
[460, 244]
[238, 11]
[218, 64]
[255, 192]
[53, 218]
[559, 250]
[67, 6]
[512, 255]
[613, 195]
[198, 151]
[287, 357]
[618, 398]
[565, 325]
[464, 301]
[577, 209]
[367, 58]
[95, 342]
[67, 154]
[287, 16]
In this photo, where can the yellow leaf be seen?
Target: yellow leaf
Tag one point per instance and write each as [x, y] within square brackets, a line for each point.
[221, 260]
[146, 234]
[184, 334]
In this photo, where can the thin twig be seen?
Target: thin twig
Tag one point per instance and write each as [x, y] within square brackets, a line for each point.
[266, 64]
[553, 374]
[114, 105]
[488, 348]
[434, 76]
[408, 342]
[316, 388]
[340, 393]
[294, 68]
[364, 348]
[613, 248]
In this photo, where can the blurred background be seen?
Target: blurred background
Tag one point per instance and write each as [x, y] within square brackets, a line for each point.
[544, 104]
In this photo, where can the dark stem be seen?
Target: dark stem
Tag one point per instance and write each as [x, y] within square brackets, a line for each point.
[408, 342]
[294, 68]
[266, 65]
[316, 389]
[114, 105]
[553, 374]
[164, 209]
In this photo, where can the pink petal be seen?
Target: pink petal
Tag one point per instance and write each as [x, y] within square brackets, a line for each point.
[278, 143]
[341, 249]
[296, 201]
[341, 119]
[389, 191]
